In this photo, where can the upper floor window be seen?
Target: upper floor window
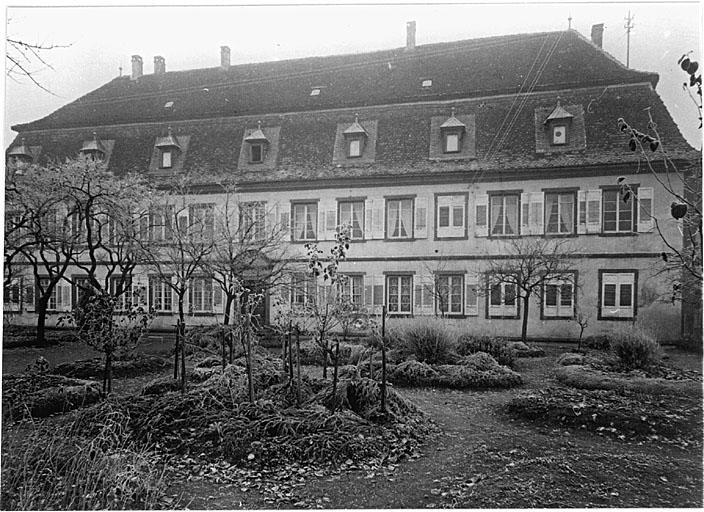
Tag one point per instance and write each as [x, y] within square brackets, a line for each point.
[559, 213]
[618, 214]
[559, 134]
[503, 214]
[617, 294]
[448, 290]
[305, 221]
[399, 218]
[451, 215]
[351, 213]
[201, 219]
[20, 154]
[252, 223]
[257, 142]
[166, 159]
[558, 298]
[355, 136]
[398, 294]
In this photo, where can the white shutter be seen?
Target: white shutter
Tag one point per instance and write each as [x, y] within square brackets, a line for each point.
[593, 211]
[481, 219]
[28, 295]
[428, 295]
[646, 222]
[368, 291]
[378, 222]
[471, 295]
[217, 298]
[378, 293]
[271, 214]
[525, 213]
[421, 220]
[140, 290]
[536, 215]
[327, 214]
[284, 220]
[65, 292]
[418, 296]
[368, 220]
[581, 212]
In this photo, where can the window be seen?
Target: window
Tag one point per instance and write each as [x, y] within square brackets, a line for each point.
[504, 215]
[315, 92]
[12, 296]
[558, 298]
[351, 213]
[202, 219]
[448, 290]
[303, 289]
[399, 294]
[618, 294]
[54, 297]
[559, 134]
[159, 295]
[256, 153]
[160, 224]
[502, 299]
[618, 214]
[452, 143]
[200, 295]
[81, 290]
[451, 216]
[166, 159]
[305, 221]
[354, 148]
[352, 289]
[559, 213]
[399, 218]
[252, 223]
[121, 289]
[426, 83]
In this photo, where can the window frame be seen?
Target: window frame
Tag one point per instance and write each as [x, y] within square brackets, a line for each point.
[206, 298]
[452, 232]
[617, 292]
[387, 294]
[544, 313]
[632, 204]
[256, 221]
[399, 199]
[504, 312]
[162, 156]
[503, 196]
[348, 145]
[347, 287]
[450, 276]
[292, 219]
[575, 211]
[165, 291]
[556, 126]
[446, 138]
[352, 202]
[262, 152]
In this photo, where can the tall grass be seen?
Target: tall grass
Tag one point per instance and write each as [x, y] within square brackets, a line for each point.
[431, 340]
[635, 348]
[50, 468]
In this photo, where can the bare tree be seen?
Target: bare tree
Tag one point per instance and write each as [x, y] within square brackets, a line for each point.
[528, 264]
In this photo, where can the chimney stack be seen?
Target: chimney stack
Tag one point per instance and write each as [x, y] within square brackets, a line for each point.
[136, 67]
[410, 35]
[159, 65]
[224, 58]
[598, 34]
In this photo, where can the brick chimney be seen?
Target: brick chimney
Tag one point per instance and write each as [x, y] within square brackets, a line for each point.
[598, 34]
[224, 58]
[137, 67]
[410, 35]
[159, 65]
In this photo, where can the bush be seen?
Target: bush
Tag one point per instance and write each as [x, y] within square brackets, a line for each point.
[480, 361]
[635, 349]
[93, 368]
[431, 341]
[55, 468]
[478, 371]
[412, 373]
[161, 385]
[569, 358]
[497, 348]
[597, 342]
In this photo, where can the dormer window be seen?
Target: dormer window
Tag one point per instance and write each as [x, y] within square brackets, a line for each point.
[558, 125]
[20, 154]
[426, 83]
[451, 132]
[355, 137]
[94, 150]
[258, 143]
[167, 146]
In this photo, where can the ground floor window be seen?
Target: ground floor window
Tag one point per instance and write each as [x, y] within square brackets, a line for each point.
[200, 295]
[303, 289]
[54, 296]
[617, 293]
[352, 289]
[558, 298]
[448, 291]
[502, 299]
[398, 297]
[160, 295]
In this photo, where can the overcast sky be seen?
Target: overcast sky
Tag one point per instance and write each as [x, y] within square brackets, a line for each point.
[102, 39]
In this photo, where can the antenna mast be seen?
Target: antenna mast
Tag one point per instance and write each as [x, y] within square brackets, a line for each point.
[628, 26]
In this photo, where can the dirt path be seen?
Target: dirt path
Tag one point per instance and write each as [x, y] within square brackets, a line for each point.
[483, 459]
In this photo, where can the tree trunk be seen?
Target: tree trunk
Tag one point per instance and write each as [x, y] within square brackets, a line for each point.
[250, 382]
[177, 349]
[290, 352]
[223, 335]
[298, 367]
[229, 299]
[42, 304]
[334, 372]
[324, 347]
[108, 369]
[524, 328]
[182, 336]
[383, 360]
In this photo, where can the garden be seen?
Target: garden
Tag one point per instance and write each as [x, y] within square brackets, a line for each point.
[284, 422]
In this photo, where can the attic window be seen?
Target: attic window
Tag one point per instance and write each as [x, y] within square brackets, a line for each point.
[426, 83]
[168, 147]
[315, 92]
[168, 104]
[558, 125]
[559, 134]
[20, 154]
[93, 149]
[451, 132]
[355, 136]
[258, 143]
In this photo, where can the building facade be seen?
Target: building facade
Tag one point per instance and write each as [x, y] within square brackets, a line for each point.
[440, 158]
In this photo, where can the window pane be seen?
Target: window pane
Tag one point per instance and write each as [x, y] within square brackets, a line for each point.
[443, 216]
[566, 295]
[566, 213]
[610, 295]
[511, 215]
[552, 209]
[452, 143]
[510, 294]
[256, 150]
[355, 147]
[625, 298]
[406, 218]
[551, 295]
[497, 214]
[610, 209]
[457, 216]
[495, 296]
[166, 159]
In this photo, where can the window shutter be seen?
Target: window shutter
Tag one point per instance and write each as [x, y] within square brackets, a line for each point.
[330, 224]
[525, 213]
[65, 292]
[28, 297]
[581, 212]
[182, 225]
[190, 297]
[536, 214]
[421, 222]
[217, 298]
[378, 298]
[481, 225]
[418, 299]
[284, 221]
[646, 222]
[428, 294]
[378, 223]
[368, 220]
[471, 296]
[593, 211]
[368, 290]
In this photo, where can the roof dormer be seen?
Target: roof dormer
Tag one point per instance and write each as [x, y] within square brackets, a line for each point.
[451, 132]
[259, 147]
[452, 137]
[94, 149]
[355, 136]
[169, 152]
[20, 154]
[559, 128]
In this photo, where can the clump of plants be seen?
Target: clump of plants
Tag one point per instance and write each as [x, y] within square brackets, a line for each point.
[124, 367]
[597, 342]
[497, 348]
[635, 349]
[432, 341]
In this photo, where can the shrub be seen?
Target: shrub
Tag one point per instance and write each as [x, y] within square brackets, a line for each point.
[478, 371]
[161, 385]
[596, 342]
[635, 349]
[87, 368]
[569, 358]
[430, 340]
[412, 373]
[497, 348]
[480, 361]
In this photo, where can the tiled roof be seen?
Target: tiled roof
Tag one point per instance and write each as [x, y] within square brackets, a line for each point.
[462, 69]
[307, 140]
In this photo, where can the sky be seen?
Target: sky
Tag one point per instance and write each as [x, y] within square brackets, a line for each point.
[100, 40]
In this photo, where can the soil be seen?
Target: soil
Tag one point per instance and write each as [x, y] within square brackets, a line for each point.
[480, 459]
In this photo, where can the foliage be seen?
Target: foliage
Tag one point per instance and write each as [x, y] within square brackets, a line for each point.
[480, 361]
[57, 468]
[476, 372]
[160, 386]
[430, 340]
[597, 342]
[497, 348]
[635, 348]
[91, 368]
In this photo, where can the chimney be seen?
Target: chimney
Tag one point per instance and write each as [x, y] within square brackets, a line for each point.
[136, 67]
[224, 58]
[159, 65]
[410, 35]
[598, 34]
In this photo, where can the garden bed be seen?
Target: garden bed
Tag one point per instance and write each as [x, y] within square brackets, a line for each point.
[93, 368]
